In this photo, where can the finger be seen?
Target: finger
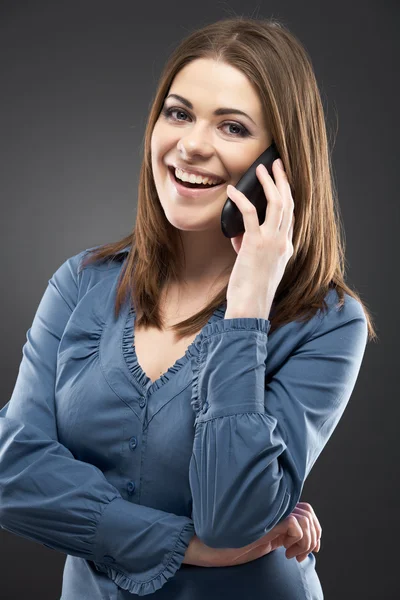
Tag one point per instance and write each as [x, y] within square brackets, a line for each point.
[294, 533]
[305, 544]
[283, 186]
[275, 206]
[291, 228]
[302, 557]
[294, 530]
[306, 506]
[310, 537]
[315, 525]
[287, 223]
[281, 179]
[248, 210]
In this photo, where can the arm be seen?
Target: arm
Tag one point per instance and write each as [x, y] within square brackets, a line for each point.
[300, 533]
[256, 443]
[48, 496]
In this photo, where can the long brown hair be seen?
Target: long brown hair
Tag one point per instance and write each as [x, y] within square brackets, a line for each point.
[278, 65]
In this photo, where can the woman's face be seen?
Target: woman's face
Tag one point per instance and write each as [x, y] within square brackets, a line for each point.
[224, 145]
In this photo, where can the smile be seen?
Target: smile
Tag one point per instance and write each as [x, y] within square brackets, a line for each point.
[188, 192]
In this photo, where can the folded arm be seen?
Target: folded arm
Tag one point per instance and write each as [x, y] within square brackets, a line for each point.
[256, 443]
[48, 496]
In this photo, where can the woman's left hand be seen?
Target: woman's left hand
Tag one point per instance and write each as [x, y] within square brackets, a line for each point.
[312, 531]
[263, 250]
[300, 533]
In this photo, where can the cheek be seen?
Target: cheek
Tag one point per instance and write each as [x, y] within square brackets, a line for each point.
[237, 163]
[162, 135]
[160, 146]
[156, 142]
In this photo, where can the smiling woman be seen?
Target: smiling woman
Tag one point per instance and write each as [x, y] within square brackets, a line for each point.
[194, 134]
[213, 114]
[144, 413]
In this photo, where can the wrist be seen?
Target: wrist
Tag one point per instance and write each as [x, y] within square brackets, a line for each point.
[241, 313]
[247, 314]
[249, 311]
[190, 552]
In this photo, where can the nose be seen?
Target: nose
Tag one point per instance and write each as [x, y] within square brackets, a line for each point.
[195, 141]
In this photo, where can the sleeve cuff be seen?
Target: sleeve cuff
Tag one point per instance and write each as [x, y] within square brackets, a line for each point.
[161, 544]
[228, 364]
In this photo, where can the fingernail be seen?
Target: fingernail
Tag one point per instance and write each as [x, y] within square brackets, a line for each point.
[280, 163]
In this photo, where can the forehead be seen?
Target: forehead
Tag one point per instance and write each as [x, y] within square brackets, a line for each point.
[206, 82]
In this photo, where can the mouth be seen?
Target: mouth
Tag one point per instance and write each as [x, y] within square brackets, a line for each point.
[192, 190]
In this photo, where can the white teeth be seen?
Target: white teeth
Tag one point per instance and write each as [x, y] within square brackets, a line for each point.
[195, 178]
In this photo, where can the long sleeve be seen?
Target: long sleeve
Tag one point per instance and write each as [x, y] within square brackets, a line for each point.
[48, 496]
[257, 437]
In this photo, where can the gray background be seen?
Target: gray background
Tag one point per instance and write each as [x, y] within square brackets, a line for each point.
[77, 79]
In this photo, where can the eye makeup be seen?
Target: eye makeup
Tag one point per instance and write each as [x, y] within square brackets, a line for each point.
[167, 113]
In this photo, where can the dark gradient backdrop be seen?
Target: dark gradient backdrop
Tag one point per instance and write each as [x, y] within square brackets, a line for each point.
[77, 79]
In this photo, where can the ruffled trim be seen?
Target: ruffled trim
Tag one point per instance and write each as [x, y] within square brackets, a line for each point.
[129, 352]
[149, 587]
[81, 339]
[195, 354]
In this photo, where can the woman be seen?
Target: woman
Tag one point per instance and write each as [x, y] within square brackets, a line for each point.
[177, 386]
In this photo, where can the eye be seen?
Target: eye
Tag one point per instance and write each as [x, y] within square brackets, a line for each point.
[167, 112]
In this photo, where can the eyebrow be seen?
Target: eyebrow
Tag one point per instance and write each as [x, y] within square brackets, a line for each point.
[219, 111]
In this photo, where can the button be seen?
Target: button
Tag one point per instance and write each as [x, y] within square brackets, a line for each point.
[142, 402]
[205, 407]
[132, 443]
[108, 558]
[131, 487]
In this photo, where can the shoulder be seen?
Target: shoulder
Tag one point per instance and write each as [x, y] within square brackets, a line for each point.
[74, 274]
[114, 261]
[346, 322]
[351, 309]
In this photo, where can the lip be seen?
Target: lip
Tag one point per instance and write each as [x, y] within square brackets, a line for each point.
[191, 192]
[196, 171]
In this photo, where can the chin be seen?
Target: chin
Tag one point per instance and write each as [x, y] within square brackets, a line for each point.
[199, 219]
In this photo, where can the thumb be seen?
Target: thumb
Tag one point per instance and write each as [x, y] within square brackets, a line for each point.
[293, 528]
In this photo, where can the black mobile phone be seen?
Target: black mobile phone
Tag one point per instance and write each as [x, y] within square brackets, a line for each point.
[231, 218]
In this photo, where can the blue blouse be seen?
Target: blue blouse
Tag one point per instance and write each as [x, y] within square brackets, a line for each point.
[119, 472]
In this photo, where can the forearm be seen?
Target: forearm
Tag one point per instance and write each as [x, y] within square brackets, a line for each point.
[48, 496]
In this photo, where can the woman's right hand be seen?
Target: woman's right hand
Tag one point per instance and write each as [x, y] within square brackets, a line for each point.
[300, 532]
